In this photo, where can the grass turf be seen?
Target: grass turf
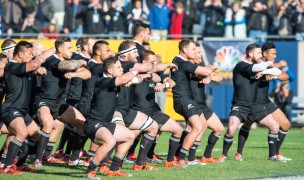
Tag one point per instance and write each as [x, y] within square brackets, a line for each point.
[255, 164]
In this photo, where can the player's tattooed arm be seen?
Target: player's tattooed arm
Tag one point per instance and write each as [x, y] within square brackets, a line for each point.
[71, 65]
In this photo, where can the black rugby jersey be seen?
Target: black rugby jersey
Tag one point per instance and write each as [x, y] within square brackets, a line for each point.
[54, 83]
[126, 95]
[182, 77]
[104, 100]
[244, 83]
[18, 87]
[75, 88]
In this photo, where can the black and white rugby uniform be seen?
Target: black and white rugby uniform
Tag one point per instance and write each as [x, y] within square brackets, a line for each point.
[103, 107]
[244, 105]
[18, 92]
[144, 101]
[53, 87]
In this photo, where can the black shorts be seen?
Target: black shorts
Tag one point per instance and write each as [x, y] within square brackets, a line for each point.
[91, 127]
[204, 109]
[8, 116]
[160, 117]
[128, 117]
[251, 112]
[186, 108]
[270, 107]
[72, 102]
[52, 105]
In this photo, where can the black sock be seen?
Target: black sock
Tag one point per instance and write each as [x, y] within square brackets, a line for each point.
[212, 139]
[182, 154]
[243, 135]
[145, 144]
[64, 137]
[192, 151]
[184, 134]
[3, 158]
[151, 150]
[13, 149]
[133, 147]
[272, 143]
[32, 147]
[106, 159]
[24, 152]
[281, 137]
[227, 144]
[116, 161]
[90, 154]
[173, 146]
[79, 139]
[41, 144]
[93, 165]
[70, 143]
[49, 148]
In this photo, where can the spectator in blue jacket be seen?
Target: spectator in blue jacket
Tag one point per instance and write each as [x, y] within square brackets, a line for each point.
[159, 19]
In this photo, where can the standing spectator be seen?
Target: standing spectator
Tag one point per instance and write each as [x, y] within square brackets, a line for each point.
[12, 14]
[93, 18]
[44, 12]
[118, 18]
[30, 25]
[215, 15]
[58, 13]
[191, 10]
[235, 21]
[283, 96]
[282, 22]
[273, 9]
[73, 20]
[258, 21]
[147, 5]
[298, 18]
[160, 19]
[137, 15]
[180, 22]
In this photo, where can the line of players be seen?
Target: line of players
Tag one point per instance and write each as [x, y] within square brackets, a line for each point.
[110, 99]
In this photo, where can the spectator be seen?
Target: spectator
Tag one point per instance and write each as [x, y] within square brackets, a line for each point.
[235, 21]
[191, 10]
[215, 14]
[180, 22]
[58, 13]
[137, 15]
[283, 96]
[147, 5]
[282, 22]
[273, 9]
[93, 18]
[298, 18]
[12, 14]
[159, 19]
[258, 21]
[51, 31]
[44, 12]
[30, 25]
[118, 18]
[73, 20]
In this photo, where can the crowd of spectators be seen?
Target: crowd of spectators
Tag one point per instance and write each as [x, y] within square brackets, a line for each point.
[211, 18]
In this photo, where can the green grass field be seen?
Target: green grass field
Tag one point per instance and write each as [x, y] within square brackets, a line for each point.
[255, 164]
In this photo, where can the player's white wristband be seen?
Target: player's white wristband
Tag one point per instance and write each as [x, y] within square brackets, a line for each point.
[135, 72]
[167, 84]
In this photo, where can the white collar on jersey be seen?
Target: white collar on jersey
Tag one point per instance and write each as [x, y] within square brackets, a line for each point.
[92, 60]
[104, 75]
[246, 61]
[181, 57]
[137, 42]
[82, 55]
[13, 61]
